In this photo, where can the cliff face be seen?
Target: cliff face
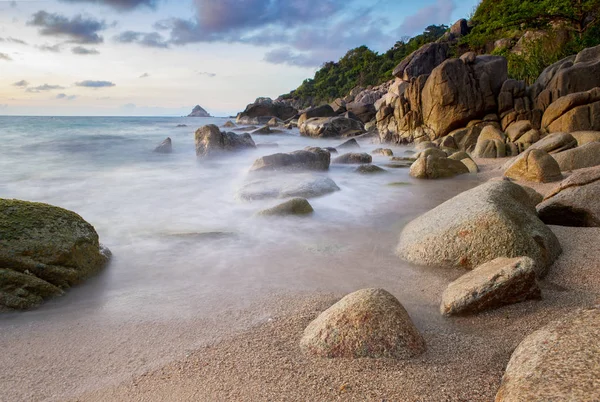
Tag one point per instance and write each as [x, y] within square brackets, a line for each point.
[198, 111]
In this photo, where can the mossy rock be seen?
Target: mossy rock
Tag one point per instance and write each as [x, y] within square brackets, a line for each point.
[295, 206]
[42, 243]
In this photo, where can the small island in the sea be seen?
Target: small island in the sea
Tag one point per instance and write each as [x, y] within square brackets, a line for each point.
[199, 111]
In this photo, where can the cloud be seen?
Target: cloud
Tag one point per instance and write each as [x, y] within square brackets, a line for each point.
[207, 74]
[66, 97]
[152, 39]
[437, 13]
[13, 40]
[145, 75]
[4, 56]
[286, 56]
[44, 87]
[21, 84]
[84, 51]
[78, 29]
[50, 48]
[95, 84]
[120, 4]
[3, 106]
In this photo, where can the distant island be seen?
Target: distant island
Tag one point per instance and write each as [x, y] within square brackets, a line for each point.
[198, 111]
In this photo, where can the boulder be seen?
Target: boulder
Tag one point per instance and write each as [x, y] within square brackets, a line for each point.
[487, 148]
[528, 139]
[422, 61]
[264, 130]
[331, 127]
[198, 111]
[435, 167]
[495, 219]
[229, 124]
[579, 111]
[494, 284]
[286, 186]
[555, 143]
[307, 159]
[518, 129]
[263, 110]
[338, 106]
[165, 147]
[492, 133]
[364, 111]
[368, 323]
[350, 144]
[575, 202]
[353, 158]
[369, 169]
[534, 165]
[466, 160]
[383, 152]
[559, 362]
[585, 156]
[585, 137]
[211, 141]
[295, 206]
[44, 250]
[275, 122]
[318, 111]
[460, 28]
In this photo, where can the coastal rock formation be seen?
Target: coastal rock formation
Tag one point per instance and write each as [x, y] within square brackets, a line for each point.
[318, 111]
[579, 111]
[165, 147]
[575, 202]
[367, 323]
[198, 111]
[555, 143]
[585, 156]
[353, 158]
[295, 206]
[495, 219]
[307, 159]
[286, 186]
[263, 110]
[44, 250]
[435, 167]
[324, 127]
[560, 362]
[211, 141]
[534, 165]
[494, 284]
[422, 61]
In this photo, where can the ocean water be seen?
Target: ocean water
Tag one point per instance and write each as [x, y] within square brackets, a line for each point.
[184, 244]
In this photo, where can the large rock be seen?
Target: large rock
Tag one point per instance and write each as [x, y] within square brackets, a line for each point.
[43, 251]
[489, 148]
[165, 147]
[496, 219]
[332, 127]
[555, 143]
[585, 156]
[575, 112]
[353, 159]
[575, 202]
[494, 284]
[560, 362]
[367, 323]
[198, 111]
[307, 159]
[211, 141]
[318, 111]
[295, 206]
[364, 111]
[422, 61]
[286, 186]
[263, 110]
[585, 137]
[434, 167]
[534, 165]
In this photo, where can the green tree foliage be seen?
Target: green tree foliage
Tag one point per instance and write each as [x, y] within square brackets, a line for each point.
[360, 67]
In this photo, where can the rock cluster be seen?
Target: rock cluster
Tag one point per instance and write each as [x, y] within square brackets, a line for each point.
[211, 141]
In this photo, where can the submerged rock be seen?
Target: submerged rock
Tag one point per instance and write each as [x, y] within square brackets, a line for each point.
[560, 362]
[367, 323]
[308, 159]
[496, 219]
[165, 147]
[43, 251]
[350, 144]
[229, 124]
[353, 158]
[211, 141]
[295, 206]
[287, 185]
[494, 284]
[369, 169]
[383, 152]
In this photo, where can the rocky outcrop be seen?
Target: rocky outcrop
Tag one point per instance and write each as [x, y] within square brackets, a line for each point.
[559, 362]
[198, 111]
[263, 110]
[353, 158]
[311, 158]
[575, 112]
[422, 61]
[436, 167]
[575, 202]
[496, 219]
[165, 147]
[585, 156]
[286, 186]
[534, 165]
[318, 111]
[368, 323]
[295, 206]
[495, 284]
[515, 106]
[44, 250]
[326, 127]
[211, 141]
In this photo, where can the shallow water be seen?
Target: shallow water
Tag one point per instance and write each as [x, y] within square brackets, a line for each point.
[185, 246]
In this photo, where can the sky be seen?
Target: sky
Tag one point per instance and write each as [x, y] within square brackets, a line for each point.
[162, 57]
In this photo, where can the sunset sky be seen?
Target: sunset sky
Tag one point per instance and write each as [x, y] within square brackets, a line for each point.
[162, 57]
